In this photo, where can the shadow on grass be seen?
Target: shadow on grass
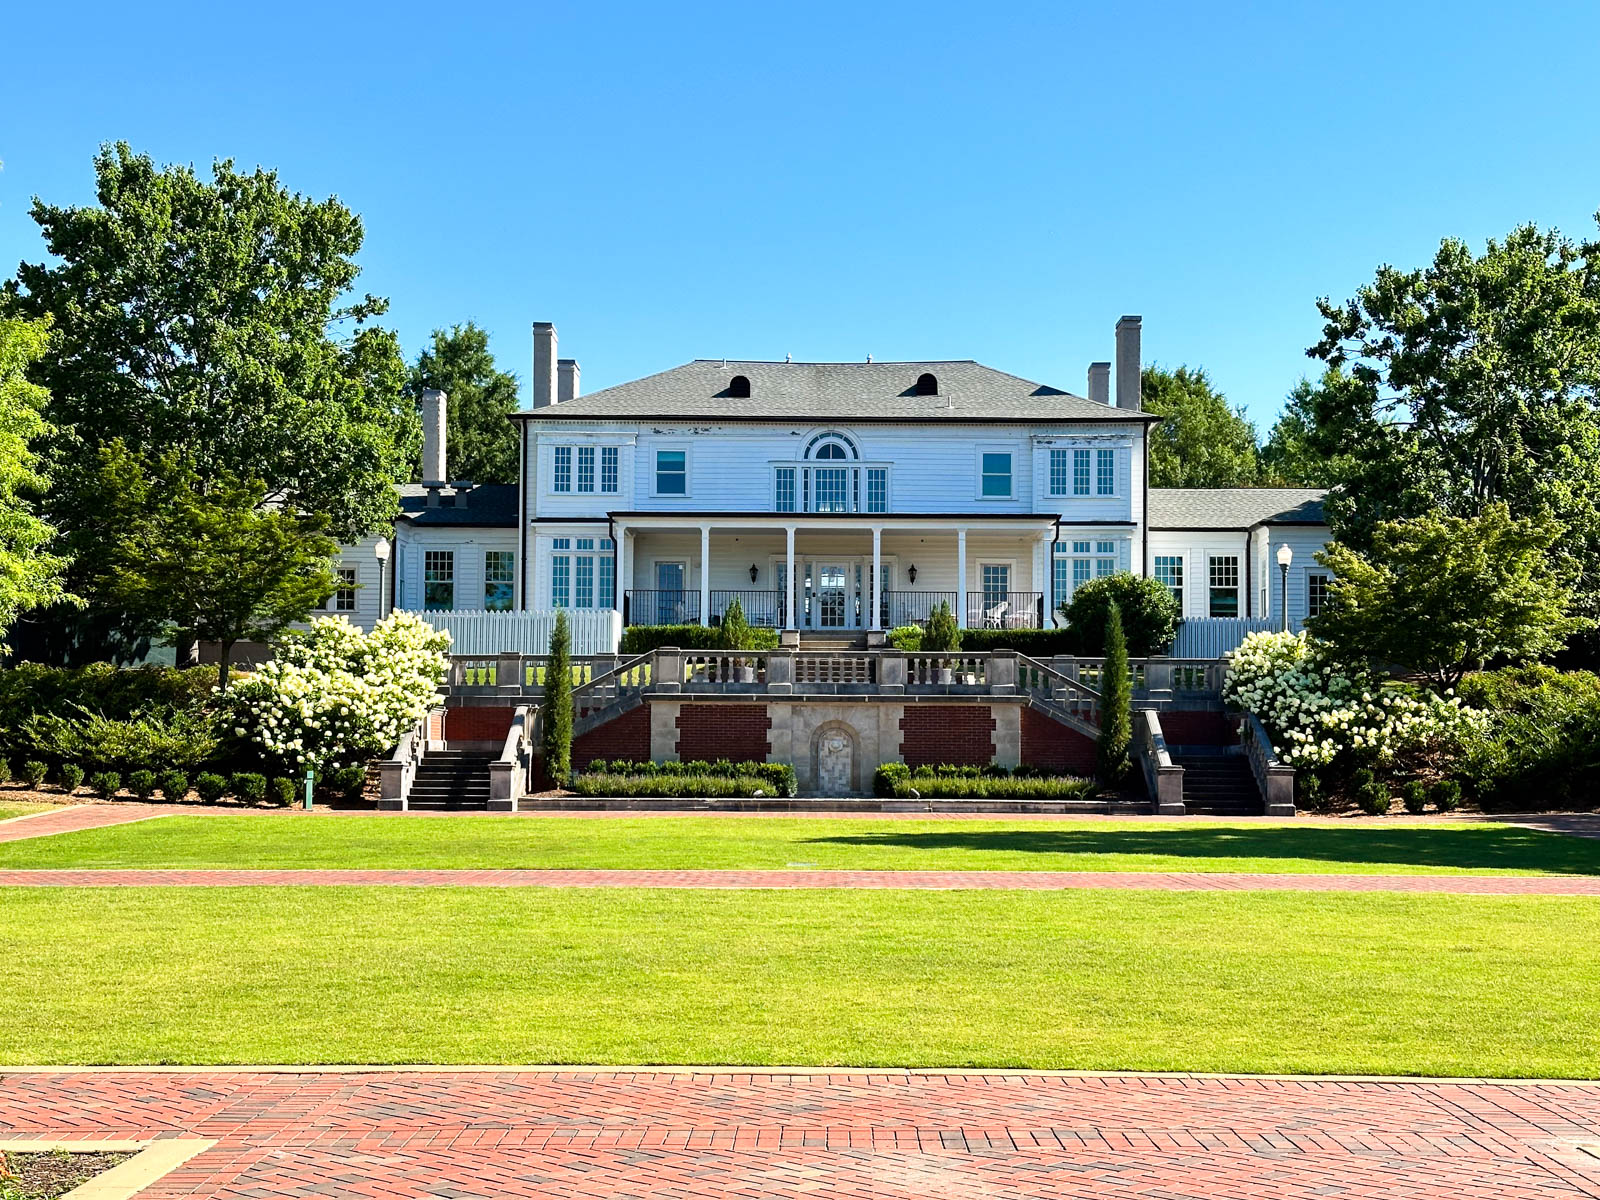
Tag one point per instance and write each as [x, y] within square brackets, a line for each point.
[1483, 846]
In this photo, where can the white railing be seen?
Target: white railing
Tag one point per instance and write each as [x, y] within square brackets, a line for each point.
[594, 630]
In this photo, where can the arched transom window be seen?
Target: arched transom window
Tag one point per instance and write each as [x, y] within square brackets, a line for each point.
[830, 478]
[831, 445]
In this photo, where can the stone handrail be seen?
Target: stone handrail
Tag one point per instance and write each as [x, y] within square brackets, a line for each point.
[1274, 778]
[1163, 778]
[1058, 688]
[628, 676]
[396, 773]
[508, 774]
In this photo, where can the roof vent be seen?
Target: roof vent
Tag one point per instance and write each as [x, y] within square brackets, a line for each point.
[927, 385]
[739, 387]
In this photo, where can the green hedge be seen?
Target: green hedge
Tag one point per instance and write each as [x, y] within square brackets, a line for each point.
[1542, 747]
[774, 779]
[898, 781]
[640, 639]
[115, 694]
[1035, 643]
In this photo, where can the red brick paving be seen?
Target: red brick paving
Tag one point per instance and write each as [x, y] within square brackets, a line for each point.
[70, 818]
[1454, 885]
[889, 1136]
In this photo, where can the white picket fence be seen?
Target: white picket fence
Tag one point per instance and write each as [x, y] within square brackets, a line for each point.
[1212, 637]
[594, 630]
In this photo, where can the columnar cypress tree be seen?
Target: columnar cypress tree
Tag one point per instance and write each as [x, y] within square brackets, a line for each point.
[1116, 704]
[942, 634]
[735, 631]
[556, 720]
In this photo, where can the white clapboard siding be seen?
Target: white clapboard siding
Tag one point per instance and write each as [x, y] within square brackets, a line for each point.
[594, 630]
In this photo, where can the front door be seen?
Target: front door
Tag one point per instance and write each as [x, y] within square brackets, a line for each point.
[832, 607]
[671, 602]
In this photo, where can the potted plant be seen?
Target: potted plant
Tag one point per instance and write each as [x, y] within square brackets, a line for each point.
[941, 637]
[735, 635]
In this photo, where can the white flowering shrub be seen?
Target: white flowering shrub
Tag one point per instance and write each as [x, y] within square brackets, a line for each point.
[333, 696]
[1318, 712]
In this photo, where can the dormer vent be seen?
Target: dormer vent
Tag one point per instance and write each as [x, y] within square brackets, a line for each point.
[927, 385]
[739, 387]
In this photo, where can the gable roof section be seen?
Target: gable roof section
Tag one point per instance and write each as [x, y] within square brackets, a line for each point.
[488, 505]
[1234, 508]
[824, 392]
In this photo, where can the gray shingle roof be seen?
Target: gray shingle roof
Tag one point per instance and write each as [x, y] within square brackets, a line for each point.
[968, 391]
[490, 505]
[1234, 508]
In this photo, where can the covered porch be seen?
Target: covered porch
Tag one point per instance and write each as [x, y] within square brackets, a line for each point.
[834, 574]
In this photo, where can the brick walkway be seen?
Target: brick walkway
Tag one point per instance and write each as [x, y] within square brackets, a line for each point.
[888, 1136]
[70, 818]
[1038, 881]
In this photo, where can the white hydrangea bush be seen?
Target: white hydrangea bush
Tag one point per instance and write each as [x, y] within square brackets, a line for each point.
[333, 696]
[1317, 711]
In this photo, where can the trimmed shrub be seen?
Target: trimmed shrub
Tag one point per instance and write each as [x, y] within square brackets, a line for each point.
[5, 771]
[1541, 748]
[772, 779]
[174, 785]
[904, 637]
[1446, 795]
[640, 639]
[142, 784]
[1150, 615]
[1415, 796]
[71, 777]
[1311, 793]
[941, 635]
[143, 739]
[33, 773]
[1369, 793]
[210, 787]
[1113, 761]
[118, 693]
[896, 780]
[105, 784]
[347, 783]
[281, 791]
[249, 787]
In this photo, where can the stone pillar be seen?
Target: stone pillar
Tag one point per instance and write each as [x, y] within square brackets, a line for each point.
[1002, 674]
[666, 670]
[664, 730]
[961, 578]
[892, 673]
[789, 611]
[705, 575]
[545, 388]
[780, 672]
[877, 579]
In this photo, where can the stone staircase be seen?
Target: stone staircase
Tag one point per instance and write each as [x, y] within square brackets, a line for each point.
[1217, 784]
[451, 781]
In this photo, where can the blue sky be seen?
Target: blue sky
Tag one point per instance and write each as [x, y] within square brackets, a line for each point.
[923, 180]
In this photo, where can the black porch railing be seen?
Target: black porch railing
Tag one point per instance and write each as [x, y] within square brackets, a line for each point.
[763, 608]
[643, 606]
[914, 608]
[1005, 610]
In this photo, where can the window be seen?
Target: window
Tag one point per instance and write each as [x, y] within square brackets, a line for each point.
[832, 489]
[832, 450]
[1060, 470]
[1105, 476]
[1316, 595]
[586, 468]
[563, 473]
[582, 573]
[1169, 574]
[608, 468]
[996, 579]
[344, 599]
[783, 490]
[561, 574]
[439, 580]
[499, 580]
[1224, 571]
[672, 472]
[605, 588]
[1105, 562]
[877, 489]
[1080, 472]
[996, 475]
[1078, 562]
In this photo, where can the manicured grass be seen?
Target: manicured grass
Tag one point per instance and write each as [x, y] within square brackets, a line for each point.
[300, 840]
[1288, 982]
[18, 808]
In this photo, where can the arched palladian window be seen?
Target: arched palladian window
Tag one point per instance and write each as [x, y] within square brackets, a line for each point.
[831, 445]
[831, 478]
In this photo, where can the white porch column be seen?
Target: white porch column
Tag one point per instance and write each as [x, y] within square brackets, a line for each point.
[877, 579]
[705, 575]
[1047, 581]
[620, 538]
[788, 612]
[961, 578]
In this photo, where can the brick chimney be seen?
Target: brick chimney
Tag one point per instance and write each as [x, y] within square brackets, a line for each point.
[1128, 394]
[434, 405]
[1100, 382]
[567, 383]
[544, 364]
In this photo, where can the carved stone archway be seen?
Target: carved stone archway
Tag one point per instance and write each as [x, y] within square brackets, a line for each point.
[836, 760]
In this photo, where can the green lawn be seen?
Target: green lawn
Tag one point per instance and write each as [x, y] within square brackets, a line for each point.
[298, 840]
[17, 808]
[1434, 985]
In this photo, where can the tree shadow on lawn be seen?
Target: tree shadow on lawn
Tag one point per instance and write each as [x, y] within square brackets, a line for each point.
[1482, 846]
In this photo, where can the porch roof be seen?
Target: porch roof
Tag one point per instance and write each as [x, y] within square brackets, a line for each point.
[1035, 523]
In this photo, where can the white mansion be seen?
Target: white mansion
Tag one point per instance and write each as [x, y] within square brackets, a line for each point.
[831, 498]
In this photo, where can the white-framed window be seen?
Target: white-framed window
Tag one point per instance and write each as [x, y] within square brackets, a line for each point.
[783, 497]
[831, 484]
[586, 468]
[561, 573]
[1080, 472]
[1060, 472]
[1223, 572]
[672, 472]
[499, 580]
[1316, 594]
[344, 596]
[995, 471]
[877, 489]
[561, 477]
[608, 468]
[1105, 472]
[1079, 561]
[439, 580]
[996, 581]
[1169, 574]
[582, 572]
[831, 489]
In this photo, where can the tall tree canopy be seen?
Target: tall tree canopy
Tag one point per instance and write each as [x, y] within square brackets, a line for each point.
[1309, 444]
[1201, 441]
[481, 440]
[29, 574]
[1473, 381]
[210, 321]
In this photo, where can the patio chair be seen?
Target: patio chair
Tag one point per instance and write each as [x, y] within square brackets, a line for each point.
[995, 618]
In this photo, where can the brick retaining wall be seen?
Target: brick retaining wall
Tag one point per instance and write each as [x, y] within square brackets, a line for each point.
[959, 734]
[732, 731]
[1049, 744]
[626, 737]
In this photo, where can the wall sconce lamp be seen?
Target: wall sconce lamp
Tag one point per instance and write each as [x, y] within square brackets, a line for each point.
[753, 572]
[911, 573]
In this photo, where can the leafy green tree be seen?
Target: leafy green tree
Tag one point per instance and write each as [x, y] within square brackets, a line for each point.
[481, 438]
[1440, 596]
[1116, 706]
[204, 558]
[1145, 608]
[555, 724]
[29, 575]
[210, 323]
[1473, 381]
[1201, 442]
[1309, 444]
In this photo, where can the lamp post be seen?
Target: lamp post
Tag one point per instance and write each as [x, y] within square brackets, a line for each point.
[1285, 557]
